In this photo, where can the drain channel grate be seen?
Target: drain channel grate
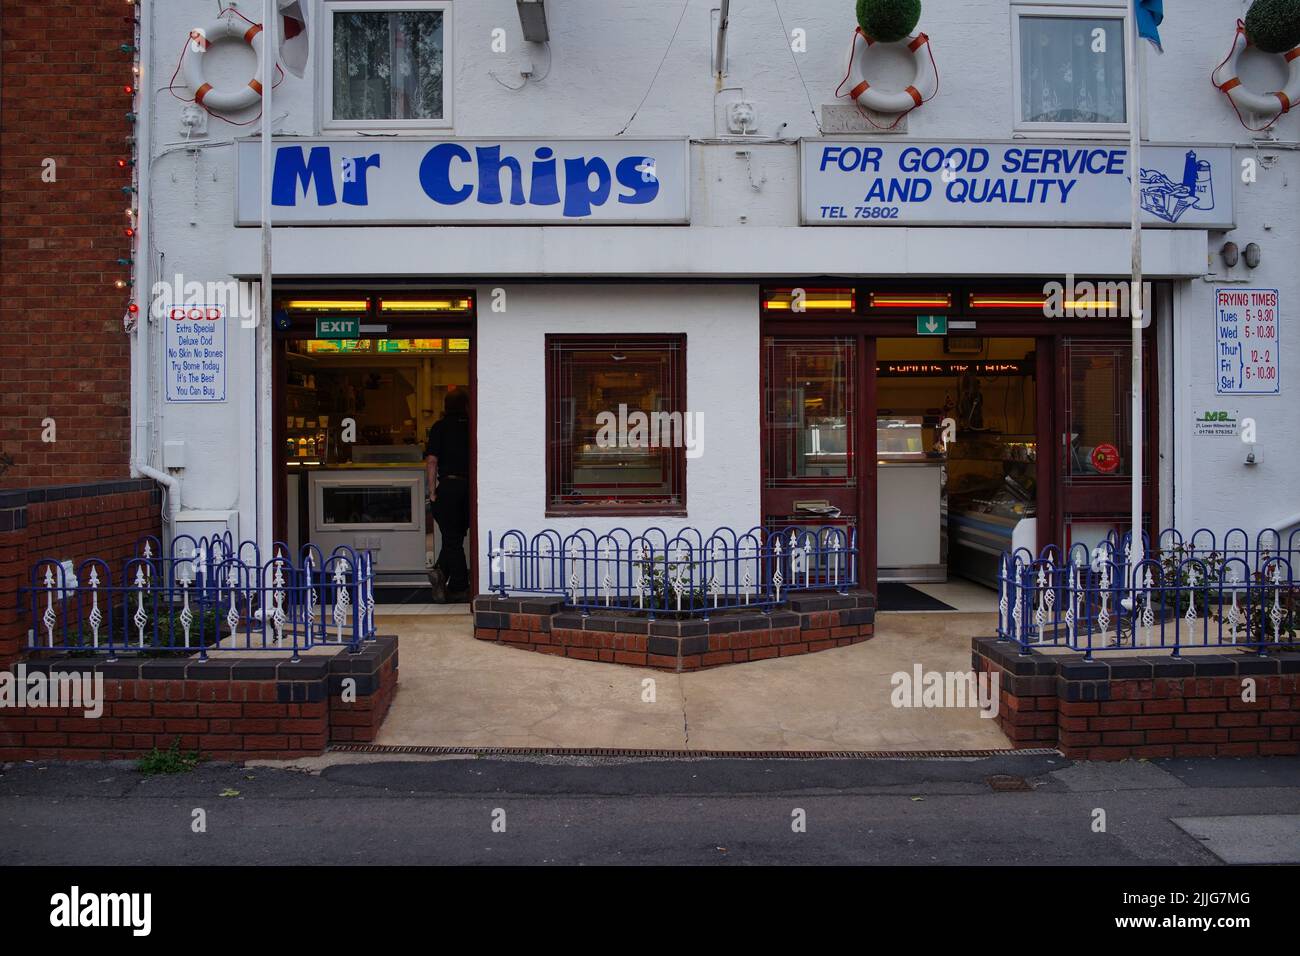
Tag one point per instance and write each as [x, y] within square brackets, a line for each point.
[1006, 783]
[691, 754]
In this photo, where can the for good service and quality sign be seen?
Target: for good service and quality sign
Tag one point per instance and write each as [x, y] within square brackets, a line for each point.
[848, 183]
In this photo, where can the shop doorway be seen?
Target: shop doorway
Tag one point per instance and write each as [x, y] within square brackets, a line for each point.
[352, 417]
[956, 455]
[948, 425]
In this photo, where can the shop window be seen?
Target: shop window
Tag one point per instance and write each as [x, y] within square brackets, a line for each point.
[617, 426]
[1068, 67]
[387, 64]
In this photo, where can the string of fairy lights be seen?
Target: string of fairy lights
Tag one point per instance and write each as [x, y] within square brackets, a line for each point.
[126, 283]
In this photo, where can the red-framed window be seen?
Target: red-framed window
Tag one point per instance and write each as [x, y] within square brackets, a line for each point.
[616, 420]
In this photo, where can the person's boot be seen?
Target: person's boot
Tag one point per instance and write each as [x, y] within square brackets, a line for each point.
[438, 585]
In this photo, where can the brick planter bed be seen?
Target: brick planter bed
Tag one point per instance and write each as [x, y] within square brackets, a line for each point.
[1119, 706]
[814, 622]
[226, 708]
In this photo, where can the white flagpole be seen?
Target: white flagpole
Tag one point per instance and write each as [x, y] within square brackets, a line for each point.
[1137, 305]
[269, 55]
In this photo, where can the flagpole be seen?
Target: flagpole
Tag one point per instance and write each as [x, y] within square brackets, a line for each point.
[269, 54]
[1137, 305]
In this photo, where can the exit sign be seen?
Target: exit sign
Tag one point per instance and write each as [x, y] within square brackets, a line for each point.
[338, 328]
[932, 325]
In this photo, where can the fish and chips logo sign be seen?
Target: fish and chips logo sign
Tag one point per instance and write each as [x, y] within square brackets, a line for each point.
[862, 183]
[521, 182]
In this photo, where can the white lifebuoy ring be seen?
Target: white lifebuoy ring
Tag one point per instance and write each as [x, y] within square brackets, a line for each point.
[925, 79]
[1263, 104]
[200, 41]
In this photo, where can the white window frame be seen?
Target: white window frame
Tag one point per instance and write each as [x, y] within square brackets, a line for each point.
[1100, 11]
[325, 70]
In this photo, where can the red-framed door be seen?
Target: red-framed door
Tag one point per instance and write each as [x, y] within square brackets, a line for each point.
[812, 420]
[1092, 440]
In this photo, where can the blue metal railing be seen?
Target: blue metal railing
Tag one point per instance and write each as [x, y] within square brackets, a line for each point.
[1187, 591]
[683, 573]
[202, 595]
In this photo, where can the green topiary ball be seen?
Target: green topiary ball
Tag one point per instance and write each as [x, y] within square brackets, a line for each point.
[888, 20]
[1272, 25]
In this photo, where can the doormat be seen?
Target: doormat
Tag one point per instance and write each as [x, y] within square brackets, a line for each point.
[893, 596]
[403, 594]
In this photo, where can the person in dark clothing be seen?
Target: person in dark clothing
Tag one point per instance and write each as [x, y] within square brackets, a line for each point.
[446, 458]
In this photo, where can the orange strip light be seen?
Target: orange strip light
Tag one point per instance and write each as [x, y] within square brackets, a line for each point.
[1007, 301]
[885, 300]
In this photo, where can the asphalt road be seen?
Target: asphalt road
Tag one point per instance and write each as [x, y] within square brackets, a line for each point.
[571, 811]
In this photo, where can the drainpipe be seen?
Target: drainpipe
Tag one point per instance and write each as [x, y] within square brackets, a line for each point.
[720, 51]
[142, 410]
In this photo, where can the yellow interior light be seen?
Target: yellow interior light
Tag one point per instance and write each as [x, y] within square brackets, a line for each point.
[810, 300]
[328, 305]
[450, 304]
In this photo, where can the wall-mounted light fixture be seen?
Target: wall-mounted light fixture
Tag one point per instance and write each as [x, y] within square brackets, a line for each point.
[532, 17]
[1251, 254]
[1230, 254]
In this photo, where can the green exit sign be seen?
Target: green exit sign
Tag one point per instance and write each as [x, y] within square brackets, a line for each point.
[932, 325]
[338, 328]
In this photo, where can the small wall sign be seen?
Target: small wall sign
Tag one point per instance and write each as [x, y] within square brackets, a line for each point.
[1216, 423]
[1247, 359]
[196, 353]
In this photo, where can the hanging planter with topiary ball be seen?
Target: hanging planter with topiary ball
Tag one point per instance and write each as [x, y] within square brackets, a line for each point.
[1272, 26]
[890, 22]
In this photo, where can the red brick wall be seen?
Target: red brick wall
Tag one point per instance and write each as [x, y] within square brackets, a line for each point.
[358, 721]
[223, 720]
[1190, 717]
[1104, 715]
[105, 526]
[64, 354]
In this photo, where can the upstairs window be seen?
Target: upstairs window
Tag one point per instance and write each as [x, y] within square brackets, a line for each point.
[387, 64]
[1069, 69]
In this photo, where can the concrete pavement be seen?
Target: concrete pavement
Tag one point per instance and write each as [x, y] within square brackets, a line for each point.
[456, 691]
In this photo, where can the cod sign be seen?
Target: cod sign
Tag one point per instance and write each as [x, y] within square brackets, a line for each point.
[511, 181]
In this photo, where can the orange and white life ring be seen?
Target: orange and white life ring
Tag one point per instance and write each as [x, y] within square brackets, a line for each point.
[1262, 104]
[200, 41]
[924, 84]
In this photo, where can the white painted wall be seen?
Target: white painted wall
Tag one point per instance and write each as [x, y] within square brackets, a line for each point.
[602, 57]
[721, 328]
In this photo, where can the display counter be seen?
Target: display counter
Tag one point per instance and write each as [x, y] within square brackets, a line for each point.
[380, 508]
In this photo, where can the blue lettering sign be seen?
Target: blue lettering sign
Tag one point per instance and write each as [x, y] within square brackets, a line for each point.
[291, 168]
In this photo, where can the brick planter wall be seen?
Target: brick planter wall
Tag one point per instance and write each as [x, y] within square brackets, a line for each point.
[101, 520]
[1122, 706]
[809, 623]
[227, 708]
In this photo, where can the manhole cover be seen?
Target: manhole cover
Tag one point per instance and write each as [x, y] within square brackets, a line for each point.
[1004, 781]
